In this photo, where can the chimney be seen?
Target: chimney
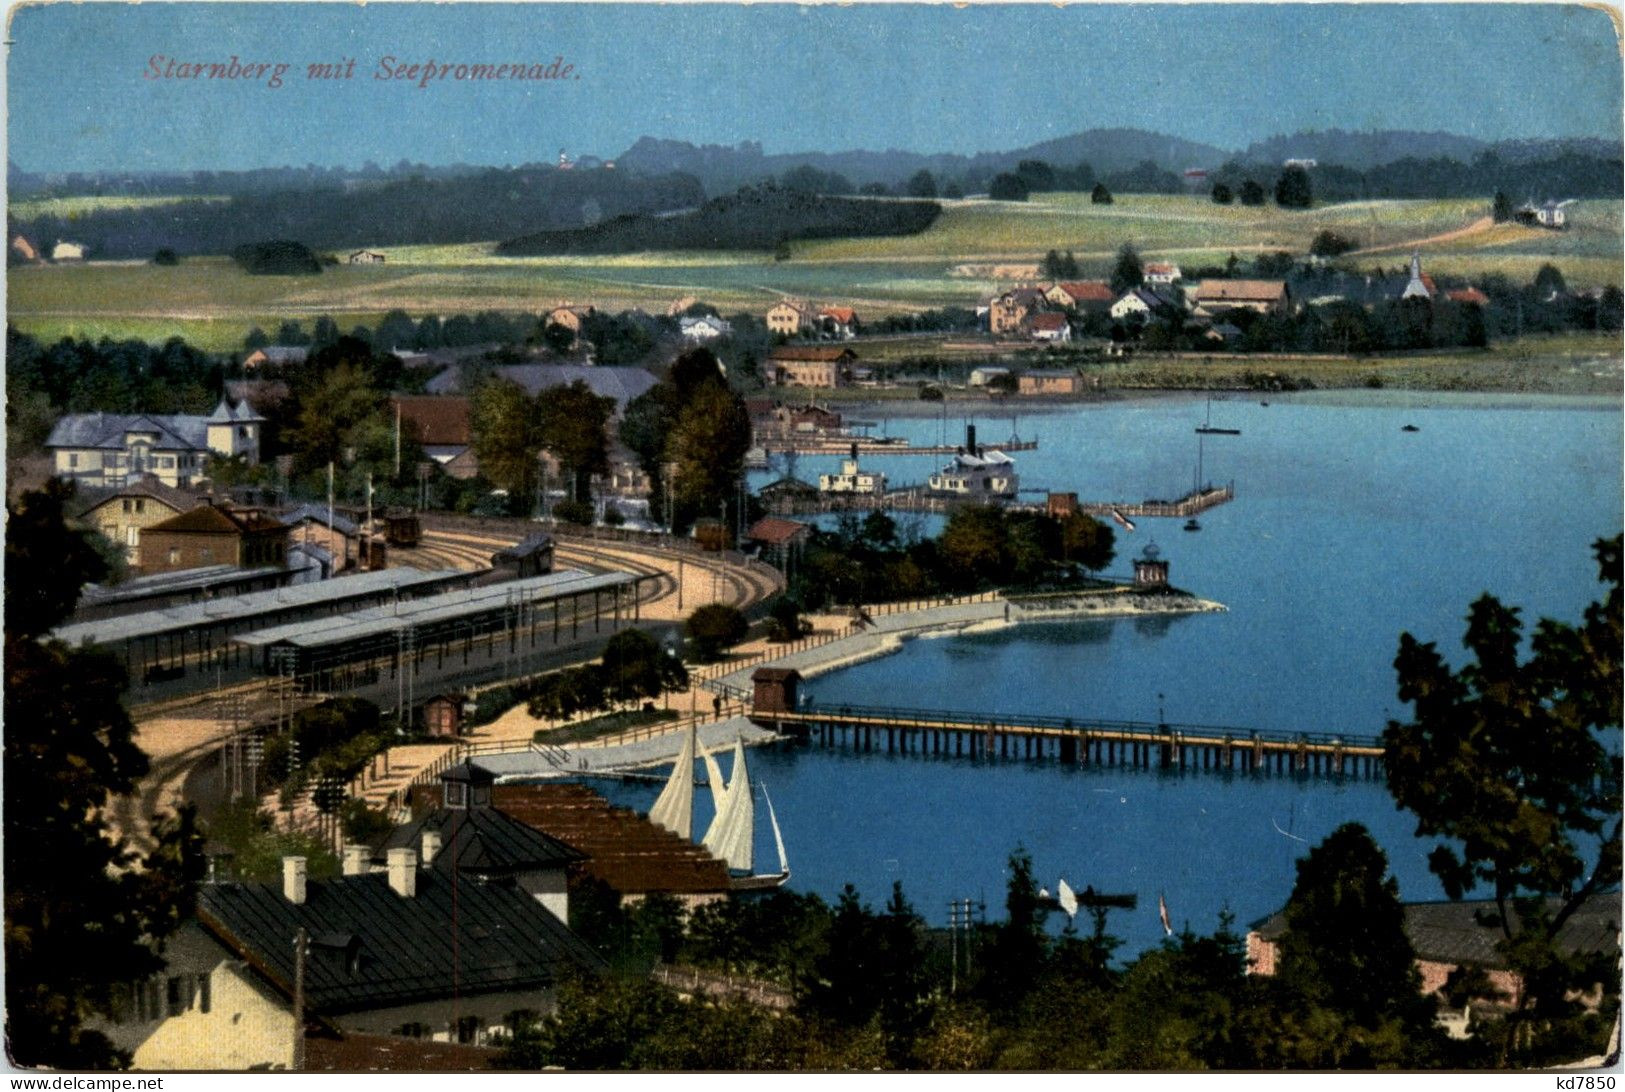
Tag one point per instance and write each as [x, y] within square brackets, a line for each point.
[970, 438]
[431, 846]
[403, 873]
[355, 859]
[293, 880]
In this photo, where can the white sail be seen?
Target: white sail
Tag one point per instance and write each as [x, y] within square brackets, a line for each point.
[1068, 900]
[778, 839]
[674, 810]
[713, 774]
[730, 836]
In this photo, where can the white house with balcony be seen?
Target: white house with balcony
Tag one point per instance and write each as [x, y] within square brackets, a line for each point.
[111, 450]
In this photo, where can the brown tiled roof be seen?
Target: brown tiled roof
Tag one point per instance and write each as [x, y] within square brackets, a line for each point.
[1467, 295]
[775, 531]
[392, 1054]
[177, 499]
[1091, 291]
[1160, 267]
[840, 314]
[439, 419]
[623, 849]
[1241, 290]
[213, 519]
[817, 354]
[1048, 320]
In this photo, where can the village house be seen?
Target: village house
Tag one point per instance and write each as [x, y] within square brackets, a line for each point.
[1468, 295]
[786, 494]
[122, 517]
[609, 381]
[809, 366]
[108, 450]
[339, 537]
[275, 358]
[1266, 297]
[1049, 381]
[212, 534]
[1450, 935]
[840, 323]
[804, 419]
[452, 947]
[789, 318]
[701, 329]
[570, 318]
[67, 252]
[1008, 313]
[366, 257]
[986, 374]
[1050, 326]
[1162, 274]
[1144, 304]
[1081, 295]
[440, 425]
[779, 539]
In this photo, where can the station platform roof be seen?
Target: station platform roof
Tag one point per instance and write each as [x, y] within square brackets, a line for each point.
[230, 608]
[429, 612]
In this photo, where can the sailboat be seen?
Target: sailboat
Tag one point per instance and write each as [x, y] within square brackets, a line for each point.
[1207, 426]
[731, 835]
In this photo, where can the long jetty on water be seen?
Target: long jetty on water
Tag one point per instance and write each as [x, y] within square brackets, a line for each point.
[1080, 741]
[918, 498]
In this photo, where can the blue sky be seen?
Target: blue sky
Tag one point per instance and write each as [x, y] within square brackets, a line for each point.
[915, 77]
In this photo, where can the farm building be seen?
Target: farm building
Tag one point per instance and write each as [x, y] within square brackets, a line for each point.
[1081, 295]
[366, 257]
[212, 534]
[1049, 381]
[1049, 326]
[789, 318]
[275, 358]
[1265, 297]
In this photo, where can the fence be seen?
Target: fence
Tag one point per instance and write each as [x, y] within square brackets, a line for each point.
[692, 980]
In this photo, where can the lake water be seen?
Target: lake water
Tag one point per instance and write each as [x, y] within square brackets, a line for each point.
[1345, 531]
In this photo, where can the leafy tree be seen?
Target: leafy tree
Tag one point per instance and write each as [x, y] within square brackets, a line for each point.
[715, 627]
[1292, 189]
[332, 407]
[1514, 765]
[165, 256]
[1129, 272]
[575, 431]
[1008, 187]
[1015, 958]
[1100, 195]
[1039, 176]
[784, 620]
[507, 437]
[841, 985]
[1345, 946]
[636, 667]
[707, 444]
[560, 339]
[953, 191]
[256, 339]
[1329, 244]
[1549, 280]
[922, 184]
[1251, 193]
[85, 913]
[1087, 541]
[1501, 208]
[1222, 194]
[579, 512]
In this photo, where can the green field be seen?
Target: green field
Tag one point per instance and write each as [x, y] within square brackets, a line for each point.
[71, 207]
[211, 301]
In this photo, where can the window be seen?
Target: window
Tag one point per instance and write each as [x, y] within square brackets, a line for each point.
[470, 1030]
[456, 794]
[73, 460]
[174, 555]
[203, 996]
[132, 536]
[127, 504]
[413, 1030]
[140, 505]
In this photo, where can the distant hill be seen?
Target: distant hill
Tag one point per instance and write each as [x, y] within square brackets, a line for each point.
[721, 167]
[1363, 151]
[758, 218]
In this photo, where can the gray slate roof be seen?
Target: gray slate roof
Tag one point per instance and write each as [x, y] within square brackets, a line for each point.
[484, 841]
[621, 384]
[455, 936]
[174, 432]
[317, 513]
[1465, 932]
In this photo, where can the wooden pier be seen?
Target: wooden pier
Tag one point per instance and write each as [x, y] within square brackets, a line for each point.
[827, 445]
[1081, 742]
[917, 498]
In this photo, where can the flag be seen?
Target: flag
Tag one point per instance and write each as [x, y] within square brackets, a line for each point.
[1068, 901]
[1128, 524]
[1162, 912]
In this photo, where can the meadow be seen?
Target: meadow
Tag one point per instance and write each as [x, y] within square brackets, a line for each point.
[212, 302]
